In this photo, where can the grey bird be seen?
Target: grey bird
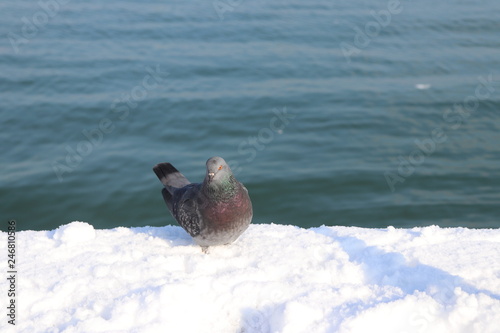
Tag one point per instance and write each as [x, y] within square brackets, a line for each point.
[214, 212]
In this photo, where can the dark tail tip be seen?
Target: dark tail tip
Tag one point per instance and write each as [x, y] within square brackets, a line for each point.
[162, 170]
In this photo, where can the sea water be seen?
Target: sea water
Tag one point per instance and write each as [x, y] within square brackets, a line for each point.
[357, 113]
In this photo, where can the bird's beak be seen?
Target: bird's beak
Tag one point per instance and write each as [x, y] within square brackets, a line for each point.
[211, 176]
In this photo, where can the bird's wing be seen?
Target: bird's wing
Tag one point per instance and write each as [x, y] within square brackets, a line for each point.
[186, 208]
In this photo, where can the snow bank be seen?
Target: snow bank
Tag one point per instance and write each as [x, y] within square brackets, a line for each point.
[273, 279]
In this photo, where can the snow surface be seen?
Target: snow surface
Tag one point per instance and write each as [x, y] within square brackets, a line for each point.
[274, 278]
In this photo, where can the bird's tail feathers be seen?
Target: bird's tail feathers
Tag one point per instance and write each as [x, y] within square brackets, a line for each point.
[170, 176]
[167, 197]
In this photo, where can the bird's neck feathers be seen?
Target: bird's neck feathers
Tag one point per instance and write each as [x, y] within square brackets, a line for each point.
[222, 188]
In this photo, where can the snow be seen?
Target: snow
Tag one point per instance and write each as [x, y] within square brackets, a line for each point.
[274, 278]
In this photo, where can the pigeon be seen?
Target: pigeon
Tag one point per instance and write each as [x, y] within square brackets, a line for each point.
[214, 212]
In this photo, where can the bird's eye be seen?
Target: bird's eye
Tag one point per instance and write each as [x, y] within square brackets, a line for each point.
[220, 167]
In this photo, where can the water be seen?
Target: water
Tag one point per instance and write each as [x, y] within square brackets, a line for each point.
[87, 108]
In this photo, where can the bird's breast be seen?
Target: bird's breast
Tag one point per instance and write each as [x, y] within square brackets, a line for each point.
[224, 213]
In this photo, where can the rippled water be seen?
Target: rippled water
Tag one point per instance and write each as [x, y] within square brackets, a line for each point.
[364, 113]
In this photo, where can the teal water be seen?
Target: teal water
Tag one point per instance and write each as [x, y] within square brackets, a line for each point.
[395, 125]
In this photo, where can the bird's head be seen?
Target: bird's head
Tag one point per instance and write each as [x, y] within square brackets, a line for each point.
[217, 169]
